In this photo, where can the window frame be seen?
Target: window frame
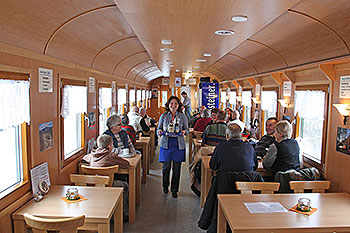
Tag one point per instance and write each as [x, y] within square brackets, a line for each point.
[11, 194]
[307, 159]
[82, 150]
[101, 85]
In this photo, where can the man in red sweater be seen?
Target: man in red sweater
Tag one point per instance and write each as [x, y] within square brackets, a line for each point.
[203, 121]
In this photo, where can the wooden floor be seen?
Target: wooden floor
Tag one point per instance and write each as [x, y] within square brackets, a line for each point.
[160, 212]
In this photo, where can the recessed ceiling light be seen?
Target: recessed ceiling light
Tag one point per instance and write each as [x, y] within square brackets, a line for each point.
[196, 67]
[166, 50]
[224, 32]
[201, 60]
[206, 54]
[239, 18]
[166, 42]
[177, 70]
[169, 61]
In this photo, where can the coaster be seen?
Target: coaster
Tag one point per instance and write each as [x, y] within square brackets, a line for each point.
[82, 198]
[294, 208]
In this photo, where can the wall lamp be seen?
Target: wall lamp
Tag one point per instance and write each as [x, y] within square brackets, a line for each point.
[239, 98]
[255, 100]
[344, 110]
[285, 104]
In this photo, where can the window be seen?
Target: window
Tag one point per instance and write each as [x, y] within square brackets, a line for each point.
[132, 97]
[164, 98]
[138, 93]
[14, 99]
[223, 99]
[105, 103]
[268, 105]
[310, 107]
[73, 107]
[121, 100]
[247, 103]
[232, 99]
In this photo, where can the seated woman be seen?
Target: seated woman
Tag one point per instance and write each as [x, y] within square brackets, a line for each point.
[284, 153]
[203, 121]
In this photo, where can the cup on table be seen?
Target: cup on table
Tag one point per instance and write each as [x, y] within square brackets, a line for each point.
[124, 152]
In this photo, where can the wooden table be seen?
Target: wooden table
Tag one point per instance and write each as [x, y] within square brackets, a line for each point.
[134, 172]
[333, 214]
[152, 134]
[143, 143]
[102, 204]
[206, 174]
[197, 144]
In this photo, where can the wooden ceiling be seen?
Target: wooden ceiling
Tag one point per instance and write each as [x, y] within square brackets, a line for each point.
[122, 37]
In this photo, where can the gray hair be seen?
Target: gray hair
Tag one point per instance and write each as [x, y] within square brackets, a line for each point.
[135, 109]
[233, 130]
[235, 114]
[104, 140]
[205, 113]
[142, 109]
[113, 121]
[221, 115]
[284, 128]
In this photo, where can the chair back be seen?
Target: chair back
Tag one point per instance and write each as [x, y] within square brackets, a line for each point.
[63, 225]
[104, 171]
[317, 186]
[84, 180]
[197, 134]
[264, 187]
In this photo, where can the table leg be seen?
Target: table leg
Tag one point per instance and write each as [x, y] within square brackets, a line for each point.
[148, 156]
[152, 146]
[144, 165]
[19, 226]
[132, 197]
[221, 227]
[138, 184]
[118, 216]
[190, 139]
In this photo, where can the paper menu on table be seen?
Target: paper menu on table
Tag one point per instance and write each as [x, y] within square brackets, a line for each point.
[265, 207]
[39, 173]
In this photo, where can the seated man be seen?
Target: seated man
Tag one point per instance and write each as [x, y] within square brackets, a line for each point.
[215, 133]
[128, 128]
[213, 115]
[233, 155]
[104, 157]
[284, 153]
[203, 121]
[263, 145]
[194, 119]
[146, 120]
[134, 118]
[121, 139]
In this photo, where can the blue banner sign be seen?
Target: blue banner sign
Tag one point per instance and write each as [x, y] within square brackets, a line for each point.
[210, 95]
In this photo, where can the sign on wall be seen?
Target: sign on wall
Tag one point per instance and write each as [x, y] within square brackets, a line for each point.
[287, 88]
[177, 81]
[210, 95]
[91, 84]
[45, 80]
[344, 88]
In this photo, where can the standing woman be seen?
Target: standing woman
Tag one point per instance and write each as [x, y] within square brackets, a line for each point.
[172, 146]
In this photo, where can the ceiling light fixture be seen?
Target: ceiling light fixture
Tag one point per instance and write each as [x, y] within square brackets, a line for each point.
[224, 32]
[169, 61]
[239, 18]
[201, 60]
[206, 54]
[166, 42]
[166, 50]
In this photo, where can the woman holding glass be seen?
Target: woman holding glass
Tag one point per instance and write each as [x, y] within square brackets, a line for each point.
[172, 127]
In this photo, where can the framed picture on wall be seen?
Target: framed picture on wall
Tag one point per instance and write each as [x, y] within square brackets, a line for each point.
[343, 140]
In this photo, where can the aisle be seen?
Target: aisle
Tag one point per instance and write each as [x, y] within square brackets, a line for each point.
[160, 212]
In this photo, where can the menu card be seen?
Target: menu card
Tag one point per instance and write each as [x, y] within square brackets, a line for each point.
[265, 207]
[39, 173]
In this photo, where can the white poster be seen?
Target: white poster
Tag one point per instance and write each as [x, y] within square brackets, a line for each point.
[287, 88]
[165, 81]
[344, 88]
[91, 84]
[239, 90]
[177, 81]
[257, 90]
[39, 173]
[45, 80]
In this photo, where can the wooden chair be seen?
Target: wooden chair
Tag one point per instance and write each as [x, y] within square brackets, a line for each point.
[317, 186]
[104, 171]
[197, 134]
[84, 180]
[264, 187]
[63, 225]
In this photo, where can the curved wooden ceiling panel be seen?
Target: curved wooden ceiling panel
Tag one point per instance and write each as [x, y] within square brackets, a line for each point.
[82, 39]
[113, 56]
[125, 67]
[335, 15]
[225, 70]
[302, 41]
[263, 58]
[242, 67]
[29, 24]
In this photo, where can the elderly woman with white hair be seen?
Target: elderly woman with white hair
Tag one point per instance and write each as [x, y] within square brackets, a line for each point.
[283, 155]
[203, 121]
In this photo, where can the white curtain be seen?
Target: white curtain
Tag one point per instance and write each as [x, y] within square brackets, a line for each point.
[138, 93]
[143, 94]
[269, 101]
[247, 98]
[232, 99]
[74, 100]
[121, 96]
[105, 100]
[132, 96]
[14, 103]
[223, 97]
[309, 104]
